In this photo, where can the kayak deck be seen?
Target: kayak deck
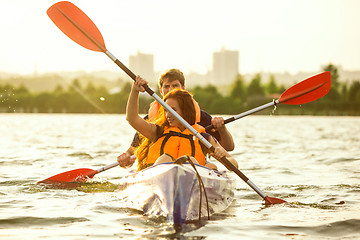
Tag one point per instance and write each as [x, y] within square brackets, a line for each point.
[172, 191]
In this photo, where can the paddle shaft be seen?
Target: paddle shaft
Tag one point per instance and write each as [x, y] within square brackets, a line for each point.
[224, 160]
[244, 114]
[107, 167]
[297, 95]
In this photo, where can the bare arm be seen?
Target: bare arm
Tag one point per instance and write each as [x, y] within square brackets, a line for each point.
[226, 139]
[132, 111]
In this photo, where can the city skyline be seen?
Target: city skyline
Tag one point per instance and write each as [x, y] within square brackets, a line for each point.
[270, 36]
[225, 66]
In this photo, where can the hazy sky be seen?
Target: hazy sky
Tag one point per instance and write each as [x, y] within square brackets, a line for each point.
[270, 35]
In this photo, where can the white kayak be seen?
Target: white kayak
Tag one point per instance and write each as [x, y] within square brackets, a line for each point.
[172, 191]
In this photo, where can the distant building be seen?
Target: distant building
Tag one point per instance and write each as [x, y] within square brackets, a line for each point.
[143, 65]
[194, 79]
[225, 67]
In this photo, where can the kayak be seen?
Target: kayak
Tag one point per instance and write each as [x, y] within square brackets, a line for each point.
[172, 191]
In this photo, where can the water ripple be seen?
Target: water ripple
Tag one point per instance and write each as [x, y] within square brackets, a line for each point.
[36, 221]
[334, 229]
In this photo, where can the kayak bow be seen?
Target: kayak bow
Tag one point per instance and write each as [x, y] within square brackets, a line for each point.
[172, 191]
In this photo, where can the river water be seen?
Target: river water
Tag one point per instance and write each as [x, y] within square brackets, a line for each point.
[311, 162]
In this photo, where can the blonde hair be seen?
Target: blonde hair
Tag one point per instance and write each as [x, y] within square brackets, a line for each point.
[186, 104]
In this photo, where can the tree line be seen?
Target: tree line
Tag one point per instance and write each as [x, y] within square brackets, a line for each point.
[343, 99]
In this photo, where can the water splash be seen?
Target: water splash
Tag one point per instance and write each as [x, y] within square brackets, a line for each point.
[20, 222]
[95, 186]
[275, 107]
[90, 186]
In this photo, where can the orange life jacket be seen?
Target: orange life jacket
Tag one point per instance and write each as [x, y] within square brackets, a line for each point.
[155, 106]
[177, 144]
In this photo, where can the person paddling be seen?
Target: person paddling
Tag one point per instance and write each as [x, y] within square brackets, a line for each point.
[169, 80]
[166, 139]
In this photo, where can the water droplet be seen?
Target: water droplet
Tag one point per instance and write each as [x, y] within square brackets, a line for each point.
[273, 111]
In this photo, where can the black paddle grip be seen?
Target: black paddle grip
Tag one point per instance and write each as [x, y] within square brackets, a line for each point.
[208, 128]
[125, 69]
[132, 75]
[230, 166]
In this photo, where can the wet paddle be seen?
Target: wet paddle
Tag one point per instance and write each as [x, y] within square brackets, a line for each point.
[78, 26]
[77, 175]
[303, 92]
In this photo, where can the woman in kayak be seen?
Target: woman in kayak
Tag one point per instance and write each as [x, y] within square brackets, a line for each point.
[169, 80]
[166, 139]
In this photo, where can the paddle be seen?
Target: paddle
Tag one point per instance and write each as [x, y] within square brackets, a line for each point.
[305, 91]
[77, 175]
[79, 27]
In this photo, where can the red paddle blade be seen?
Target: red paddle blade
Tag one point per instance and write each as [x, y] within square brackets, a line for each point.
[77, 175]
[307, 90]
[272, 200]
[76, 25]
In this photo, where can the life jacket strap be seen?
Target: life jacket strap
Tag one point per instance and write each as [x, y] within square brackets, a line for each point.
[190, 137]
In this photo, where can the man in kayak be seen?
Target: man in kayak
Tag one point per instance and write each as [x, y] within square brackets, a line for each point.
[165, 139]
[168, 81]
